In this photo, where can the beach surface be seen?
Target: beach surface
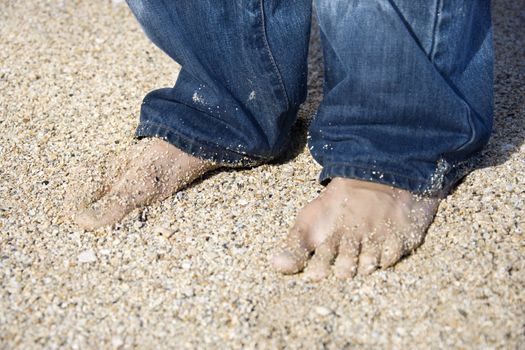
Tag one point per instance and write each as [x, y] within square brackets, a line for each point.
[193, 270]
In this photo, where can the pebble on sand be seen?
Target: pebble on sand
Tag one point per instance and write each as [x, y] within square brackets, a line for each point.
[87, 256]
[322, 311]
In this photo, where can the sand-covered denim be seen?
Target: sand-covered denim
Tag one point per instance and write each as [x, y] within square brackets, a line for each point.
[407, 91]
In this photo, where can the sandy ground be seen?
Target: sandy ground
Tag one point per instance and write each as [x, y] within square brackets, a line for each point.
[192, 271]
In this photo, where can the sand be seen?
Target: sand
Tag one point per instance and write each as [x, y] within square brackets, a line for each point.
[193, 271]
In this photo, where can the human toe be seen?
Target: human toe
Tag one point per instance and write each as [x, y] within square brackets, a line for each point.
[107, 211]
[392, 251]
[369, 257]
[319, 266]
[345, 266]
[293, 255]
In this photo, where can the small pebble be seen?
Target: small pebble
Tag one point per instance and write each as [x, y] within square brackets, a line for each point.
[323, 311]
[105, 251]
[87, 256]
[117, 342]
[186, 265]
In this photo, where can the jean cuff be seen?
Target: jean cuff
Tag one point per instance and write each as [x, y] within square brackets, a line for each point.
[200, 149]
[416, 186]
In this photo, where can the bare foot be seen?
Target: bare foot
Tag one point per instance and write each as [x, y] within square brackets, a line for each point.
[357, 227]
[153, 170]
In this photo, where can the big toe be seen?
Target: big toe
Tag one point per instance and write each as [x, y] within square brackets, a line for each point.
[89, 219]
[294, 254]
[392, 251]
[288, 262]
[105, 212]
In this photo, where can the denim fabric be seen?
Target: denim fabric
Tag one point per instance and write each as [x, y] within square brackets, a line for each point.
[241, 80]
[407, 91]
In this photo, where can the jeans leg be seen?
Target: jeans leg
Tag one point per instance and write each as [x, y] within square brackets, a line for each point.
[408, 90]
[243, 75]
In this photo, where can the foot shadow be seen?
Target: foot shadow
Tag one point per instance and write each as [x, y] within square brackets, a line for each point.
[299, 132]
[509, 89]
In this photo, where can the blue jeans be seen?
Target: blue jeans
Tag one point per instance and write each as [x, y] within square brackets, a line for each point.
[408, 96]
